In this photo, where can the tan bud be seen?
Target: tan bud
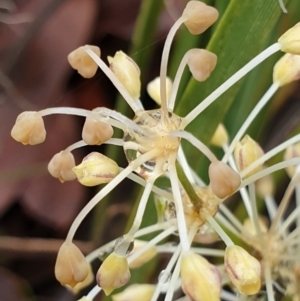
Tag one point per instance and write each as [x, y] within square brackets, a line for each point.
[199, 16]
[243, 269]
[29, 128]
[199, 279]
[246, 152]
[136, 292]
[71, 266]
[82, 62]
[224, 181]
[287, 69]
[265, 186]
[251, 229]
[127, 71]
[96, 169]
[206, 235]
[290, 40]
[220, 136]
[293, 151]
[153, 89]
[113, 273]
[85, 283]
[61, 166]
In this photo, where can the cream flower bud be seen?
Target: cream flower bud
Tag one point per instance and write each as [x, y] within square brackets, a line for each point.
[71, 266]
[224, 181]
[136, 292]
[199, 16]
[61, 166]
[250, 227]
[29, 128]
[246, 152]
[81, 285]
[201, 63]
[291, 152]
[84, 298]
[96, 132]
[290, 40]
[200, 280]
[127, 71]
[220, 136]
[153, 89]
[96, 169]
[82, 62]
[287, 69]
[145, 257]
[113, 273]
[243, 269]
[265, 186]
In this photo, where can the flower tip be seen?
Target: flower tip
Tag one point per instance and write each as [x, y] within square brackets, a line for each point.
[220, 137]
[142, 292]
[153, 89]
[290, 40]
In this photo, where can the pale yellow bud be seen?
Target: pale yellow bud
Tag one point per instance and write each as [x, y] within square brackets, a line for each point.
[153, 89]
[96, 169]
[29, 128]
[199, 279]
[243, 269]
[136, 292]
[84, 298]
[287, 69]
[224, 181]
[246, 152]
[290, 40]
[145, 257]
[199, 16]
[127, 72]
[71, 266]
[61, 166]
[265, 186]
[81, 285]
[293, 151]
[220, 137]
[113, 273]
[251, 229]
[201, 63]
[96, 132]
[82, 62]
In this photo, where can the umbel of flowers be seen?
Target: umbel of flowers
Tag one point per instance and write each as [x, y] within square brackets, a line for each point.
[152, 144]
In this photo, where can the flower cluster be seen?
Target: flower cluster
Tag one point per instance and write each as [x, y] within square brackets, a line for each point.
[192, 208]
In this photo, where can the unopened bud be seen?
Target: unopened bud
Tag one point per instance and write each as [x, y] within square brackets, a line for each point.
[246, 152]
[61, 166]
[287, 69]
[71, 266]
[265, 186]
[251, 229]
[220, 137]
[290, 40]
[199, 16]
[82, 62]
[85, 283]
[96, 169]
[293, 151]
[113, 273]
[201, 63]
[127, 72]
[136, 292]
[243, 269]
[224, 181]
[84, 298]
[206, 235]
[29, 128]
[153, 89]
[200, 280]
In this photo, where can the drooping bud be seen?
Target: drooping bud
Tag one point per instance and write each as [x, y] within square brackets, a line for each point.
[127, 71]
[71, 266]
[136, 292]
[96, 169]
[293, 151]
[96, 132]
[153, 89]
[251, 229]
[290, 40]
[82, 62]
[246, 152]
[201, 63]
[265, 186]
[224, 181]
[243, 269]
[287, 69]
[200, 280]
[145, 257]
[199, 16]
[29, 129]
[85, 283]
[113, 273]
[61, 166]
[220, 136]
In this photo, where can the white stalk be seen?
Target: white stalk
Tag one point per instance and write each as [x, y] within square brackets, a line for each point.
[268, 280]
[93, 292]
[185, 165]
[281, 4]
[231, 217]
[201, 251]
[172, 285]
[75, 145]
[225, 223]
[294, 216]
[227, 296]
